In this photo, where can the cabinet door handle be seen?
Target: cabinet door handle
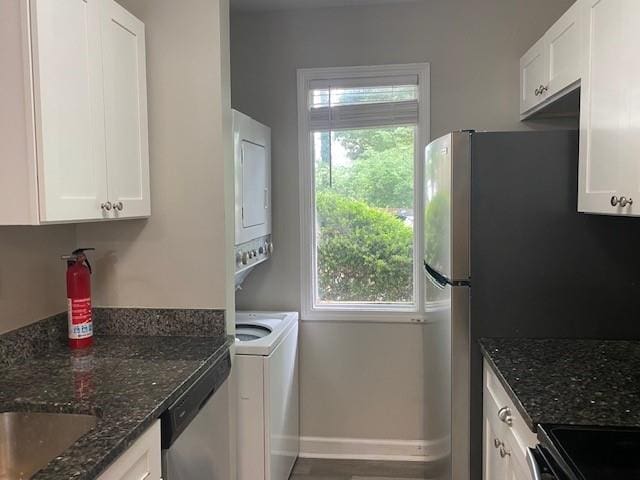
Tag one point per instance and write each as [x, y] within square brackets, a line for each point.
[118, 206]
[106, 206]
[543, 88]
[537, 91]
[497, 443]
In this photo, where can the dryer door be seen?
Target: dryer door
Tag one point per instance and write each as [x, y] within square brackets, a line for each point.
[255, 189]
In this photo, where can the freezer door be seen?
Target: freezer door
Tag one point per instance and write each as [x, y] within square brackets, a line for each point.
[447, 186]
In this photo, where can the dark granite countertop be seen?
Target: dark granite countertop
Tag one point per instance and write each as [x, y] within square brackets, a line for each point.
[126, 381]
[572, 382]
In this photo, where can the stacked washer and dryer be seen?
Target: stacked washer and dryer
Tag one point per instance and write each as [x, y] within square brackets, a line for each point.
[266, 361]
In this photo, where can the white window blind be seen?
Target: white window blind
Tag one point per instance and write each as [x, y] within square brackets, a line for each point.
[347, 103]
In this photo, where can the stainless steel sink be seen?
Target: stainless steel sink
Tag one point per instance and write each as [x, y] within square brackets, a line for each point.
[29, 441]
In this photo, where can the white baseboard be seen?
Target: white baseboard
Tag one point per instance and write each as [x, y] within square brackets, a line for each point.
[373, 449]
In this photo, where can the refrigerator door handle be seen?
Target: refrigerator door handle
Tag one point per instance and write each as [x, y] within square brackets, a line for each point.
[440, 280]
[436, 277]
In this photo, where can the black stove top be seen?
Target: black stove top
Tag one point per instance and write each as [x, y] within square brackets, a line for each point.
[593, 453]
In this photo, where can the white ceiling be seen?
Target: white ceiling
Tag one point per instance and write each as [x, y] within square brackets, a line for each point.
[271, 5]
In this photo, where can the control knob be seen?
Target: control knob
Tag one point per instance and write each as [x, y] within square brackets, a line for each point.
[245, 258]
[270, 248]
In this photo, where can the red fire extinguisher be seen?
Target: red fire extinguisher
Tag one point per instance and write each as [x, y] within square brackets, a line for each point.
[79, 299]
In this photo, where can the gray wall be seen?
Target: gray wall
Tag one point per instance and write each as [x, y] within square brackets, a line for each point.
[367, 381]
[32, 275]
[178, 257]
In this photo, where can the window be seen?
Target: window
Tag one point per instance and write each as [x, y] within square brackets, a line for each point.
[362, 136]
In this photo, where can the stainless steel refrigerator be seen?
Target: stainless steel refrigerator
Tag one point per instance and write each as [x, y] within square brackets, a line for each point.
[508, 255]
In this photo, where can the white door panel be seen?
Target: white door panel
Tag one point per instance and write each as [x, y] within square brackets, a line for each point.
[564, 49]
[125, 112]
[254, 184]
[533, 75]
[610, 110]
[69, 109]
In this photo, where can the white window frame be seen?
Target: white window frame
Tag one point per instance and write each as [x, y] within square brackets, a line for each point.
[359, 312]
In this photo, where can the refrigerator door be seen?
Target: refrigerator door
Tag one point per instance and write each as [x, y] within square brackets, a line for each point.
[447, 185]
[447, 361]
[447, 195]
[460, 382]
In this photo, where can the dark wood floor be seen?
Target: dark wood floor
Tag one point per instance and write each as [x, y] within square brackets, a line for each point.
[320, 469]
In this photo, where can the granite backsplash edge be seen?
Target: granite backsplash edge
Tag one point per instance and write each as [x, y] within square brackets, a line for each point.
[34, 339]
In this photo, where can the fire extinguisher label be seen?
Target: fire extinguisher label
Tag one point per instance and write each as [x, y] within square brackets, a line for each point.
[80, 320]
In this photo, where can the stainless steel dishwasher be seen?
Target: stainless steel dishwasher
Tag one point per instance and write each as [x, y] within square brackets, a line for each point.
[196, 429]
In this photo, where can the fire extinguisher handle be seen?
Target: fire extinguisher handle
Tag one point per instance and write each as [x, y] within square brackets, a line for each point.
[80, 251]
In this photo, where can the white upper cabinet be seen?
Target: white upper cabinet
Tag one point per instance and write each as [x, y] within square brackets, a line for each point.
[125, 93]
[74, 130]
[609, 181]
[552, 67]
[595, 46]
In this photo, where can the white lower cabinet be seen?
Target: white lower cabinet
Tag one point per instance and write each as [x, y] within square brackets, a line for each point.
[506, 436]
[142, 461]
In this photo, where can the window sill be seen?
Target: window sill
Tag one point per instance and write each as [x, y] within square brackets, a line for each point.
[365, 316]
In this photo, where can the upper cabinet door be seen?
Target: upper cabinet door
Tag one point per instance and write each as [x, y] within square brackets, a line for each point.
[534, 76]
[610, 109]
[69, 113]
[125, 93]
[563, 43]
[552, 67]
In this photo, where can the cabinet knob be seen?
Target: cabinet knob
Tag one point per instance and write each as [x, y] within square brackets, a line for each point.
[504, 452]
[107, 206]
[497, 443]
[537, 91]
[118, 206]
[504, 414]
[614, 201]
[543, 88]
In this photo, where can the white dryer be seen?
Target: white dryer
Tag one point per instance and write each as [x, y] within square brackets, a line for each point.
[252, 167]
[268, 398]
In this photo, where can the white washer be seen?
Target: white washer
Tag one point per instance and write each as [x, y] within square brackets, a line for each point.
[268, 399]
